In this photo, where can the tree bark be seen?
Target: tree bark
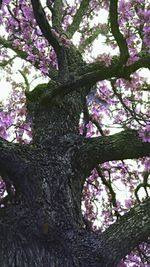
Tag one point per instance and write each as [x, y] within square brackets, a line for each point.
[124, 145]
[44, 225]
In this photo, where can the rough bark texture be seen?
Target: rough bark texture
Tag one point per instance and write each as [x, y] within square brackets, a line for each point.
[44, 226]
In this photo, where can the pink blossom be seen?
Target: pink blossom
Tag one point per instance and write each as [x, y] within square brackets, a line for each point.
[145, 133]
[105, 58]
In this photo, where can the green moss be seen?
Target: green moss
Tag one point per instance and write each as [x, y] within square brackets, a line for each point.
[42, 91]
[36, 93]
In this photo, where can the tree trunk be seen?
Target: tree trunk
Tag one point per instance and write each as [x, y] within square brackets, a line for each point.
[44, 226]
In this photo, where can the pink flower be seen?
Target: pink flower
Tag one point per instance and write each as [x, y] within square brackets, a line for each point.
[121, 264]
[105, 58]
[145, 133]
[128, 203]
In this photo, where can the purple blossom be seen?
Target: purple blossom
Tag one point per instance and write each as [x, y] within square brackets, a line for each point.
[145, 133]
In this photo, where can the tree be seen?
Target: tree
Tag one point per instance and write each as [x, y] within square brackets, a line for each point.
[42, 222]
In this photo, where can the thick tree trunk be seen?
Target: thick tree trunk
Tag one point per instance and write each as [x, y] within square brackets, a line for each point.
[44, 226]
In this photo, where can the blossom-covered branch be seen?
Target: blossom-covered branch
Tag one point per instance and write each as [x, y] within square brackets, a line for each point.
[124, 145]
[42, 22]
[78, 17]
[97, 71]
[7, 62]
[53, 73]
[94, 33]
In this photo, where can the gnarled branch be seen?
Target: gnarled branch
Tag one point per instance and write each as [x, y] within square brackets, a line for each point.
[124, 145]
[129, 231]
[13, 163]
[93, 73]
[121, 41]
[10, 158]
[43, 24]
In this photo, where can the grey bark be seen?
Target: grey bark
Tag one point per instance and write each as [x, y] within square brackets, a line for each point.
[44, 226]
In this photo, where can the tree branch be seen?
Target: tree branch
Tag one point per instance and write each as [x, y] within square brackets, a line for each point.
[53, 73]
[78, 17]
[94, 33]
[121, 41]
[7, 44]
[27, 84]
[129, 231]
[108, 185]
[43, 24]
[52, 36]
[57, 15]
[109, 247]
[143, 62]
[124, 145]
[4, 63]
[93, 73]
[12, 161]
